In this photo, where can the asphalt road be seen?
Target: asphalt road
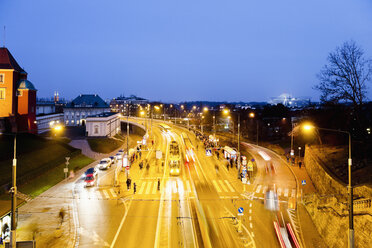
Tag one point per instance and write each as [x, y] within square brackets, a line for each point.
[199, 208]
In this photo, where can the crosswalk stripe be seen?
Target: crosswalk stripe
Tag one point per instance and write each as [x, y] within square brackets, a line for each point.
[293, 193]
[174, 187]
[279, 191]
[142, 188]
[154, 189]
[264, 189]
[216, 186]
[229, 185]
[113, 193]
[286, 193]
[188, 186]
[223, 186]
[98, 194]
[148, 188]
[258, 188]
[106, 194]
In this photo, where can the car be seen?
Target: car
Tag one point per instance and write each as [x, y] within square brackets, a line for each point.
[104, 164]
[271, 201]
[119, 156]
[121, 151]
[113, 159]
[91, 171]
[90, 180]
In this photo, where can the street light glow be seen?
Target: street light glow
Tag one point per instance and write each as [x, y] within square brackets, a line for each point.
[205, 109]
[142, 113]
[307, 127]
[251, 115]
[226, 111]
[157, 107]
[194, 107]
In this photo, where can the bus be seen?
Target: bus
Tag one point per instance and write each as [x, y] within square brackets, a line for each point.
[174, 159]
[164, 127]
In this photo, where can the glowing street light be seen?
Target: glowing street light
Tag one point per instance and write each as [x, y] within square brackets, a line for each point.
[226, 111]
[205, 109]
[251, 115]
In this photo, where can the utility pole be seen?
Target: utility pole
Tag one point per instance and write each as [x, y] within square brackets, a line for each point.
[13, 190]
[239, 145]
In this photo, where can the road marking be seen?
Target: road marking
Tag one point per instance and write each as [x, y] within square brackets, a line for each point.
[148, 188]
[258, 188]
[142, 188]
[216, 186]
[293, 193]
[113, 193]
[174, 187]
[250, 225]
[154, 189]
[98, 194]
[250, 218]
[105, 193]
[250, 211]
[250, 205]
[286, 193]
[188, 186]
[264, 189]
[229, 185]
[279, 191]
[223, 186]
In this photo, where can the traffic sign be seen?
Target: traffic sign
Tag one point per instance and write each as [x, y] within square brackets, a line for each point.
[250, 166]
[127, 167]
[208, 152]
[252, 159]
[240, 211]
[244, 180]
[65, 170]
[292, 152]
[244, 162]
[303, 182]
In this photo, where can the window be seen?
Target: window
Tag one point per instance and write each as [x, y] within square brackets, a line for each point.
[95, 129]
[66, 122]
[2, 78]
[2, 93]
[19, 92]
[77, 122]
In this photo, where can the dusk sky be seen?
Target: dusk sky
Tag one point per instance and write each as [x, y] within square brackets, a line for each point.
[171, 50]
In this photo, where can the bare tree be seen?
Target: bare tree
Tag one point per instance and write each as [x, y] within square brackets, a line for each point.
[345, 76]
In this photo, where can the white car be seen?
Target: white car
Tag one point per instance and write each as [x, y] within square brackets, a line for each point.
[119, 156]
[104, 164]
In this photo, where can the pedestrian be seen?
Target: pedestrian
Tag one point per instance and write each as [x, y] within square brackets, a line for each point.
[140, 154]
[299, 164]
[127, 184]
[152, 141]
[158, 184]
[136, 156]
[218, 155]
[130, 182]
[134, 188]
[227, 165]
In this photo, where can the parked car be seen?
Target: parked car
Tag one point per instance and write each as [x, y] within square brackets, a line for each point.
[113, 159]
[121, 151]
[119, 156]
[104, 164]
[91, 171]
[90, 180]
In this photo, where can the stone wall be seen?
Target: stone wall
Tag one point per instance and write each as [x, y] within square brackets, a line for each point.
[329, 209]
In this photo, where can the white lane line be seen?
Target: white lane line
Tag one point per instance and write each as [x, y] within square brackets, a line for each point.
[223, 185]
[264, 189]
[258, 188]
[142, 188]
[250, 225]
[250, 205]
[279, 191]
[154, 188]
[250, 218]
[98, 194]
[286, 193]
[148, 188]
[229, 185]
[293, 193]
[106, 194]
[188, 186]
[174, 187]
[250, 211]
[121, 224]
[113, 193]
[216, 186]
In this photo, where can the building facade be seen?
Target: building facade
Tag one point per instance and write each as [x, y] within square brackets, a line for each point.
[103, 125]
[17, 96]
[122, 104]
[46, 122]
[76, 112]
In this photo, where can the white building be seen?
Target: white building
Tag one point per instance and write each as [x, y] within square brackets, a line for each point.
[83, 106]
[103, 125]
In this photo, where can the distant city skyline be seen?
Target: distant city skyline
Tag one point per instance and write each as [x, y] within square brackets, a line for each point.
[181, 51]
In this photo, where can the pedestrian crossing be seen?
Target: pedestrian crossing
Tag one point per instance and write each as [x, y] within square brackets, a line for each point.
[281, 191]
[150, 187]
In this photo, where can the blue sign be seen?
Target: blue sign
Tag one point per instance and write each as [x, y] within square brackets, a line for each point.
[252, 159]
[240, 210]
[208, 152]
[303, 182]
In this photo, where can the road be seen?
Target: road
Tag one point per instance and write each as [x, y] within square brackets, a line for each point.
[198, 208]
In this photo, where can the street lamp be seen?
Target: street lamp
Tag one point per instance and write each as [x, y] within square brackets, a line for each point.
[252, 115]
[226, 111]
[309, 127]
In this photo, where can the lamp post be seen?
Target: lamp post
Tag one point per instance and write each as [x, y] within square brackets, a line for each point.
[350, 188]
[252, 115]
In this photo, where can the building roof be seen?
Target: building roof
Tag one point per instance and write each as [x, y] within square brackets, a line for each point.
[24, 84]
[7, 60]
[87, 101]
[103, 115]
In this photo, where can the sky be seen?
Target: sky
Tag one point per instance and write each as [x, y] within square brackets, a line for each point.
[181, 50]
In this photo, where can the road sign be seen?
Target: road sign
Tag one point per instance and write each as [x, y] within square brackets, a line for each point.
[244, 162]
[292, 152]
[244, 180]
[303, 182]
[252, 159]
[208, 152]
[240, 211]
[250, 166]
[159, 154]
[65, 170]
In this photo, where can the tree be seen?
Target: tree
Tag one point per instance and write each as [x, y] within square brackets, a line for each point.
[345, 76]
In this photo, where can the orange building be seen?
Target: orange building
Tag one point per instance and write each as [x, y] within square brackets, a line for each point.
[17, 96]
